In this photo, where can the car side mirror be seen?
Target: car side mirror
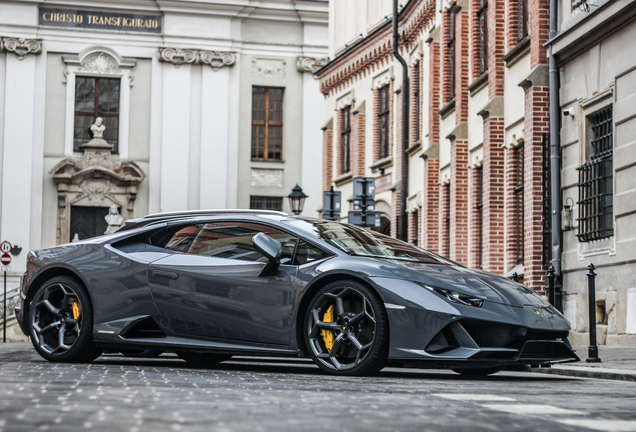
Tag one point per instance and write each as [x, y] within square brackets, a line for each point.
[270, 249]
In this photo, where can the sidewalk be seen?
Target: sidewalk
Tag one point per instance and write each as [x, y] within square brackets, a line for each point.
[617, 363]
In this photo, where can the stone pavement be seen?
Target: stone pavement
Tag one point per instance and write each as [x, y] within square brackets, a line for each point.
[617, 363]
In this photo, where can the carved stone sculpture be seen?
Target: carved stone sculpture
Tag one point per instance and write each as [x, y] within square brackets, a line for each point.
[98, 128]
[21, 47]
[178, 57]
[113, 219]
[310, 64]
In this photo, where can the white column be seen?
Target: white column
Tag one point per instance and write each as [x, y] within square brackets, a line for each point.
[233, 135]
[313, 117]
[176, 138]
[215, 139]
[37, 173]
[156, 125]
[17, 158]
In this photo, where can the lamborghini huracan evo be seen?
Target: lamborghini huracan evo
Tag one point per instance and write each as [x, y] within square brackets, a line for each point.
[207, 285]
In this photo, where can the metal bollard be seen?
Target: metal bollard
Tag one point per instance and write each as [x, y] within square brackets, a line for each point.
[551, 292]
[515, 277]
[591, 291]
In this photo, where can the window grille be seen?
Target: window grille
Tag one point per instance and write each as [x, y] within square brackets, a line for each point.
[346, 140]
[479, 206]
[385, 104]
[267, 123]
[547, 199]
[482, 17]
[96, 97]
[451, 52]
[519, 203]
[416, 100]
[447, 222]
[266, 203]
[596, 218]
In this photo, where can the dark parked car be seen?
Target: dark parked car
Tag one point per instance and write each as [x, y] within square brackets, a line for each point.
[209, 285]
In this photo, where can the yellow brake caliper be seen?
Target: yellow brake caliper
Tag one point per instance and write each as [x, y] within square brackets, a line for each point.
[76, 311]
[327, 335]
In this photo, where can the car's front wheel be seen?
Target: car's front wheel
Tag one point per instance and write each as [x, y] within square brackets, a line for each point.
[346, 329]
[61, 322]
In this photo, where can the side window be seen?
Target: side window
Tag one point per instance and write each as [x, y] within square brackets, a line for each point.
[182, 239]
[234, 240]
[307, 253]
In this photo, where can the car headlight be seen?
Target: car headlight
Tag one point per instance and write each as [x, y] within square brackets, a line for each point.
[456, 297]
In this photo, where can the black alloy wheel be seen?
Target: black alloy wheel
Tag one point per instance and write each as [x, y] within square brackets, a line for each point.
[346, 329]
[61, 322]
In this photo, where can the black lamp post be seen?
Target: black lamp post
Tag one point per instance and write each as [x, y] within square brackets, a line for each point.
[297, 200]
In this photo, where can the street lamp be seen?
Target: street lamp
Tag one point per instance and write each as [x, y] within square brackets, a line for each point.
[297, 200]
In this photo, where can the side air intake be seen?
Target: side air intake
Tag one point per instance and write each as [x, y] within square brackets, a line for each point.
[145, 328]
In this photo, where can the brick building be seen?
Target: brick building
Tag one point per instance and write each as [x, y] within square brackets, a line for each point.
[478, 115]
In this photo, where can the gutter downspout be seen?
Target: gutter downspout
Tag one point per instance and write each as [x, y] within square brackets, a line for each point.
[403, 227]
[555, 162]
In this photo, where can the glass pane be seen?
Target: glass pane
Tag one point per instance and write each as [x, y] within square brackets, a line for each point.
[108, 96]
[85, 94]
[258, 103]
[183, 238]
[82, 132]
[111, 134]
[308, 253]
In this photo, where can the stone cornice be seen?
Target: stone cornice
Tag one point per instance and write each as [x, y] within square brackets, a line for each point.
[178, 57]
[21, 47]
[375, 50]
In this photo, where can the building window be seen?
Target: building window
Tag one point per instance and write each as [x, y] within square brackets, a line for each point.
[385, 109]
[451, 52]
[522, 19]
[482, 18]
[266, 203]
[415, 227]
[479, 207]
[96, 97]
[267, 123]
[519, 203]
[596, 215]
[447, 220]
[345, 138]
[417, 90]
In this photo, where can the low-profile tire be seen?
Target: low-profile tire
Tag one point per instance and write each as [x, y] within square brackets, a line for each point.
[61, 321]
[479, 372]
[346, 329]
[198, 359]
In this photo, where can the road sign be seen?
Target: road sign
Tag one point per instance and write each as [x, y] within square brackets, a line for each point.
[331, 204]
[5, 268]
[369, 219]
[5, 247]
[6, 259]
[363, 188]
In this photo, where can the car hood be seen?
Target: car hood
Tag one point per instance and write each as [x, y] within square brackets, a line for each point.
[478, 283]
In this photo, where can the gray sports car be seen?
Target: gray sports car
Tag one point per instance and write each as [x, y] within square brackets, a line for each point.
[209, 285]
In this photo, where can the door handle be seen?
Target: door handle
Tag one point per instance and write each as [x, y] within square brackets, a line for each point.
[165, 274]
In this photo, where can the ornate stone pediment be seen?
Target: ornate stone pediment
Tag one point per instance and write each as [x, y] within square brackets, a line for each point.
[96, 179]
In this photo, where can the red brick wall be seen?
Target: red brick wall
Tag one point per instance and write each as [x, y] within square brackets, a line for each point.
[475, 39]
[512, 17]
[413, 121]
[358, 123]
[459, 201]
[536, 123]
[431, 206]
[462, 44]
[496, 47]
[539, 23]
[376, 125]
[327, 158]
[511, 239]
[445, 82]
[493, 196]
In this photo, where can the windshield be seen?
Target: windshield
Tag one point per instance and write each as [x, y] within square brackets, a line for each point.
[363, 242]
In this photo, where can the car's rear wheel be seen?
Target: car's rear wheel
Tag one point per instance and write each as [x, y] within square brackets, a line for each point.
[479, 372]
[198, 359]
[346, 329]
[61, 321]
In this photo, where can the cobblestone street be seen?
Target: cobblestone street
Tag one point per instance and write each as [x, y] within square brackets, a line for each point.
[126, 394]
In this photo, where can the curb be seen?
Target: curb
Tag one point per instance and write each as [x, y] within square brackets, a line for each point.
[588, 372]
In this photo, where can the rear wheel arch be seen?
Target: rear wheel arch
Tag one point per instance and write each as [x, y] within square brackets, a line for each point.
[48, 274]
[308, 295]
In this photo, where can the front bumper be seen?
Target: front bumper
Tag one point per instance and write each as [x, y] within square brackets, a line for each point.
[427, 328]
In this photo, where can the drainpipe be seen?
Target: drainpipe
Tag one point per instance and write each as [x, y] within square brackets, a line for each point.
[555, 162]
[403, 235]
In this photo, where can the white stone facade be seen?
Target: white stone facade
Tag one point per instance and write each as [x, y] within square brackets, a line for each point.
[185, 106]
